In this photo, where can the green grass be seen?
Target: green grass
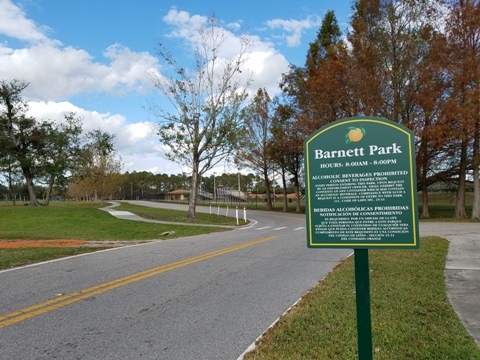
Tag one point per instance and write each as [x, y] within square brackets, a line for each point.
[441, 206]
[23, 256]
[411, 315]
[178, 216]
[83, 221]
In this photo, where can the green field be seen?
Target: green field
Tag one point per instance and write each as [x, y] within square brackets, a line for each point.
[84, 221]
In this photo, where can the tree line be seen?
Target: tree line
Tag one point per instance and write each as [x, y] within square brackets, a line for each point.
[413, 62]
[50, 153]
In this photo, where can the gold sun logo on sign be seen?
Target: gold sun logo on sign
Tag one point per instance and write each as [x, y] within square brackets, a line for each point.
[354, 134]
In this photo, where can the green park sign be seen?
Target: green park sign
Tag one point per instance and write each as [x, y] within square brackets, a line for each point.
[361, 188]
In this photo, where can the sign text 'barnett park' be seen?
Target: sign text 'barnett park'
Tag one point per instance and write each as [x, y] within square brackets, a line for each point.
[361, 186]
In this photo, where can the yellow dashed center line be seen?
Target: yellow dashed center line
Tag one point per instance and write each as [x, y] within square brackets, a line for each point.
[61, 301]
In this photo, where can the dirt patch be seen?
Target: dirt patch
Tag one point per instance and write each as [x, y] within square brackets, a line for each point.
[12, 244]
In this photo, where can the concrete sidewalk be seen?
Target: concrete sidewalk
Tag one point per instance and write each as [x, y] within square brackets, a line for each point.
[462, 270]
[127, 215]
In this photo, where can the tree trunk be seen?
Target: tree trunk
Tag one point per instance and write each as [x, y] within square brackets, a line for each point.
[192, 201]
[10, 187]
[476, 176]
[425, 212]
[269, 193]
[460, 212]
[285, 198]
[49, 190]
[297, 192]
[30, 187]
[423, 178]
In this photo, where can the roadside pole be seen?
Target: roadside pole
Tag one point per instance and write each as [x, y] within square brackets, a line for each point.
[361, 193]
[362, 295]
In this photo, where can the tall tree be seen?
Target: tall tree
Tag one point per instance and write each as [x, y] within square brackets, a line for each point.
[287, 146]
[398, 71]
[430, 124]
[255, 147]
[12, 174]
[21, 136]
[317, 90]
[61, 151]
[99, 171]
[463, 32]
[388, 45]
[365, 84]
[203, 129]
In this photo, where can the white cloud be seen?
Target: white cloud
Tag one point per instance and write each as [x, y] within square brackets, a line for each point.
[264, 61]
[294, 27]
[136, 143]
[58, 73]
[127, 135]
[267, 67]
[184, 25]
[14, 24]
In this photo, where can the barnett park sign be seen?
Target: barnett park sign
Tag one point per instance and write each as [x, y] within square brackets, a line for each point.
[361, 189]
[361, 193]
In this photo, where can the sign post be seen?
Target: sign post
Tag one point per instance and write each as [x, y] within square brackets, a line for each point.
[361, 193]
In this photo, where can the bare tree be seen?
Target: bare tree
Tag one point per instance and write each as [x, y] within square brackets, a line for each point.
[204, 128]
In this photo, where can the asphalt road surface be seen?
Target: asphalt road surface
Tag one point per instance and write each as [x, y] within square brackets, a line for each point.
[203, 297]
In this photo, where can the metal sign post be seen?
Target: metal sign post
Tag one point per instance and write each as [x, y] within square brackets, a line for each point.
[362, 295]
[361, 193]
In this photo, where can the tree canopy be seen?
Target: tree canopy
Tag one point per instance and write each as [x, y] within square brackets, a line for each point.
[414, 62]
[205, 126]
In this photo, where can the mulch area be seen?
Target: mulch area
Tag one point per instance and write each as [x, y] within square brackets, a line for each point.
[16, 244]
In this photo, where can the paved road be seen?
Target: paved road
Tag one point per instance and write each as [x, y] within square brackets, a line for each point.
[203, 297]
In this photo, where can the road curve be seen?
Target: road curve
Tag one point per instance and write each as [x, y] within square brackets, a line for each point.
[202, 297]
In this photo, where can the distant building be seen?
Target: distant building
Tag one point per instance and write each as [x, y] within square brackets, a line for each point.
[177, 195]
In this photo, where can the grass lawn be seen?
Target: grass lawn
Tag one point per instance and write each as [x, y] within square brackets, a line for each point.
[411, 315]
[84, 221]
[24, 256]
[178, 216]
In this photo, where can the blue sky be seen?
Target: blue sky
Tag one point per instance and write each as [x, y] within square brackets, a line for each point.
[93, 56]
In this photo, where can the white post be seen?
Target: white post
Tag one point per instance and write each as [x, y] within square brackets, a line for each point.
[214, 190]
[218, 210]
[239, 184]
[236, 214]
[226, 213]
[210, 209]
[245, 214]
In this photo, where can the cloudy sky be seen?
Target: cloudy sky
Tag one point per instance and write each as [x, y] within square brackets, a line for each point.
[93, 57]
